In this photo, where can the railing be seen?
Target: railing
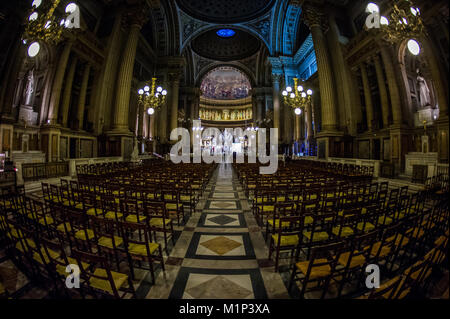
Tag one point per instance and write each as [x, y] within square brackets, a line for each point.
[37, 171]
[7, 179]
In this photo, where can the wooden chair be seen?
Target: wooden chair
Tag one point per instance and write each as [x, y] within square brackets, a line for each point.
[100, 279]
[319, 269]
[140, 249]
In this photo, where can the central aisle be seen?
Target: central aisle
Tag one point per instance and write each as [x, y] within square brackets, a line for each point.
[220, 253]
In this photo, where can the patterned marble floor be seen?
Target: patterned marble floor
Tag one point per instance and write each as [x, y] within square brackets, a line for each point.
[221, 252]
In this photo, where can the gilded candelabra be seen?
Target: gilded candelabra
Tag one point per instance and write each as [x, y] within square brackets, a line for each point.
[297, 97]
[152, 97]
[45, 25]
[405, 21]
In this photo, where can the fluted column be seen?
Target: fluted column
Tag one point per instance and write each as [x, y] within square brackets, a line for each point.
[367, 96]
[276, 79]
[393, 86]
[327, 90]
[82, 98]
[297, 130]
[57, 84]
[437, 75]
[123, 88]
[174, 79]
[259, 107]
[141, 119]
[68, 92]
[383, 91]
[308, 116]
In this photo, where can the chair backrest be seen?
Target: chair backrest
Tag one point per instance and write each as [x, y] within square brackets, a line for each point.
[387, 290]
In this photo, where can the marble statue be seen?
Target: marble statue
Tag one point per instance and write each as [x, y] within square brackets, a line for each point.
[424, 91]
[135, 153]
[29, 90]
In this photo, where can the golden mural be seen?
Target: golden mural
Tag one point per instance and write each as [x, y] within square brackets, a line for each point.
[226, 115]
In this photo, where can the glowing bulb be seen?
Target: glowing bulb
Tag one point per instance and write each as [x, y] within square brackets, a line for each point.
[285, 93]
[372, 7]
[71, 7]
[33, 49]
[298, 111]
[300, 88]
[292, 95]
[309, 92]
[146, 88]
[36, 3]
[413, 47]
[24, 41]
[47, 25]
[405, 21]
[384, 21]
[151, 111]
[413, 11]
[157, 94]
[303, 94]
[159, 89]
[63, 22]
[289, 89]
[141, 92]
[33, 16]
[164, 92]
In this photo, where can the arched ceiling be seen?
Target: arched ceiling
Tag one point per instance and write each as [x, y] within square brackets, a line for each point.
[212, 46]
[225, 11]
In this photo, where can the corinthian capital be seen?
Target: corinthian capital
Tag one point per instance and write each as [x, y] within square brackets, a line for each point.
[314, 16]
[136, 15]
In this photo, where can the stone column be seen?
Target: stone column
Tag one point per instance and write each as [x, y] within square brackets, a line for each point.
[174, 79]
[68, 92]
[57, 84]
[105, 96]
[276, 79]
[383, 91]
[288, 123]
[297, 130]
[367, 96]
[123, 88]
[162, 123]
[308, 116]
[259, 108]
[314, 20]
[82, 98]
[393, 86]
[141, 119]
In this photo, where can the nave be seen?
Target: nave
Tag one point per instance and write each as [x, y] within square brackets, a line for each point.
[220, 248]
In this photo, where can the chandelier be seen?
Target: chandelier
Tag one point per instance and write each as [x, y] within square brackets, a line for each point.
[404, 23]
[297, 97]
[43, 26]
[152, 97]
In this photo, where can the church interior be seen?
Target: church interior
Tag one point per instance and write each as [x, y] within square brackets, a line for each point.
[93, 206]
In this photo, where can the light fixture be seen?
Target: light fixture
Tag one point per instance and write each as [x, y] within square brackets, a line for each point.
[372, 8]
[405, 21]
[152, 97]
[46, 24]
[34, 49]
[36, 3]
[413, 47]
[298, 99]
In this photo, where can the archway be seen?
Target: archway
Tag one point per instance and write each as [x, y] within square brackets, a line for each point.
[226, 102]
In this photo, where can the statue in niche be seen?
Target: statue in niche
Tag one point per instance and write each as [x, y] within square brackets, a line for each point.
[29, 90]
[424, 91]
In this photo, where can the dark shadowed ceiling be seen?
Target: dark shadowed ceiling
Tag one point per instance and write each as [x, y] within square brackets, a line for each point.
[210, 45]
[225, 11]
